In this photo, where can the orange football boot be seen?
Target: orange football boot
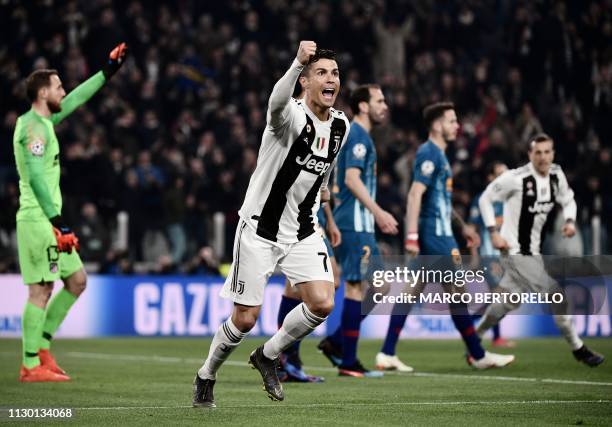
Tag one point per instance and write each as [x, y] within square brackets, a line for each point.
[39, 374]
[48, 361]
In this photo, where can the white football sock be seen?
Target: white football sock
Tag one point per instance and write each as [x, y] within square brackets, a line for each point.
[565, 325]
[226, 339]
[297, 324]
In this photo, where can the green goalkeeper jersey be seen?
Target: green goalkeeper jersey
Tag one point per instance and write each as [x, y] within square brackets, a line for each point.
[37, 155]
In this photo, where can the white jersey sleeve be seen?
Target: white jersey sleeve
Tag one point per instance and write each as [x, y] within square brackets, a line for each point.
[280, 108]
[565, 195]
[497, 191]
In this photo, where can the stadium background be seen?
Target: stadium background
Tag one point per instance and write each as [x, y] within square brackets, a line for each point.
[171, 141]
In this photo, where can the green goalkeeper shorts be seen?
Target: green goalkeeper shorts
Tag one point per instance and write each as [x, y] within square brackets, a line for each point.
[39, 259]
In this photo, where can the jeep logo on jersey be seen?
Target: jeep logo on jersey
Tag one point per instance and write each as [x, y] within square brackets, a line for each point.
[541, 207]
[311, 164]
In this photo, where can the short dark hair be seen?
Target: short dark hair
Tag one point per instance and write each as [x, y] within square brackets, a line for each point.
[540, 137]
[361, 94]
[490, 170]
[320, 54]
[434, 111]
[37, 80]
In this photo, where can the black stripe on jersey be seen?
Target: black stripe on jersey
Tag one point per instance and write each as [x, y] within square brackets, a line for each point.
[305, 215]
[237, 260]
[530, 197]
[553, 182]
[270, 216]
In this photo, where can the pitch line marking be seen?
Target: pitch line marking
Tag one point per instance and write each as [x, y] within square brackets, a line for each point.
[172, 359]
[356, 405]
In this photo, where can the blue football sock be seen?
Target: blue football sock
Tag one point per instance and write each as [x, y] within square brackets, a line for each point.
[396, 324]
[287, 304]
[496, 333]
[464, 324]
[351, 318]
[336, 337]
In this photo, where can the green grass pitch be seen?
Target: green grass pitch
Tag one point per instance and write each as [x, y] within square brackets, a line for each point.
[126, 381]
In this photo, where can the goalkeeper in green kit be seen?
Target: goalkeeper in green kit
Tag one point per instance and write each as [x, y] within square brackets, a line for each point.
[48, 249]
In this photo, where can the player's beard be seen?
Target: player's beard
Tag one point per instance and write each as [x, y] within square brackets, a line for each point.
[377, 119]
[449, 137]
[54, 107]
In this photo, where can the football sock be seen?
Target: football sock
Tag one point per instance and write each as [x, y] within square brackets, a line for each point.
[336, 337]
[396, 324]
[564, 323]
[298, 323]
[496, 333]
[464, 324]
[351, 318]
[225, 341]
[56, 313]
[494, 328]
[31, 326]
[287, 304]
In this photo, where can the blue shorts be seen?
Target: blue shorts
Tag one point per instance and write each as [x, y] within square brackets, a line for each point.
[358, 255]
[437, 245]
[438, 252]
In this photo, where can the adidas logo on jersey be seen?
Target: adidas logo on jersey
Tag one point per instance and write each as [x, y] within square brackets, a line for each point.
[313, 165]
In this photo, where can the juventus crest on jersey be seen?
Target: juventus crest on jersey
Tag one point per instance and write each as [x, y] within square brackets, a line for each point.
[528, 200]
[294, 163]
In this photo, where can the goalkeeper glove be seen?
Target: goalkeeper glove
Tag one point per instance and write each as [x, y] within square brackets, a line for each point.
[65, 238]
[115, 60]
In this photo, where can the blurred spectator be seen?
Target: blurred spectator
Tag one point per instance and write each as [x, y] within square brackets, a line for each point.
[174, 138]
[94, 238]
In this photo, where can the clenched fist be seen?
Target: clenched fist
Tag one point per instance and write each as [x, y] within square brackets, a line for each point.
[305, 51]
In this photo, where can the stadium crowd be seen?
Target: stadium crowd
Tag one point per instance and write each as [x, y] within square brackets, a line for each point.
[173, 138]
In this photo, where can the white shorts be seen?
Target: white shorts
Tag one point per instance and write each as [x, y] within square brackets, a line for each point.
[256, 258]
[526, 273]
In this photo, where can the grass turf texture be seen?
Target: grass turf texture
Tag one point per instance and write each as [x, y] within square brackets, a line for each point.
[148, 381]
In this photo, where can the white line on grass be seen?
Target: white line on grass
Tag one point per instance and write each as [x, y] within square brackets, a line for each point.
[171, 359]
[358, 405]
[165, 359]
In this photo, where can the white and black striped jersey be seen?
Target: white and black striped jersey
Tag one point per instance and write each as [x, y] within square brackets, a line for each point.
[296, 157]
[528, 199]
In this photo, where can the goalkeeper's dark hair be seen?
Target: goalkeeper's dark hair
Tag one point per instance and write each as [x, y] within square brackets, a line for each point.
[434, 111]
[37, 80]
[361, 94]
[319, 54]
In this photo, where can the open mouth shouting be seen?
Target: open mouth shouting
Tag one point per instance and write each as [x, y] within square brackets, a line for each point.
[328, 93]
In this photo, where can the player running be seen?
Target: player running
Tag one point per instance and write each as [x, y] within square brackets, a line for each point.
[47, 246]
[529, 194]
[429, 212]
[278, 225]
[486, 253]
[356, 213]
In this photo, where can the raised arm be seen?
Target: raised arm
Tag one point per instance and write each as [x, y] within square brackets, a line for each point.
[278, 105]
[83, 92]
[79, 96]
